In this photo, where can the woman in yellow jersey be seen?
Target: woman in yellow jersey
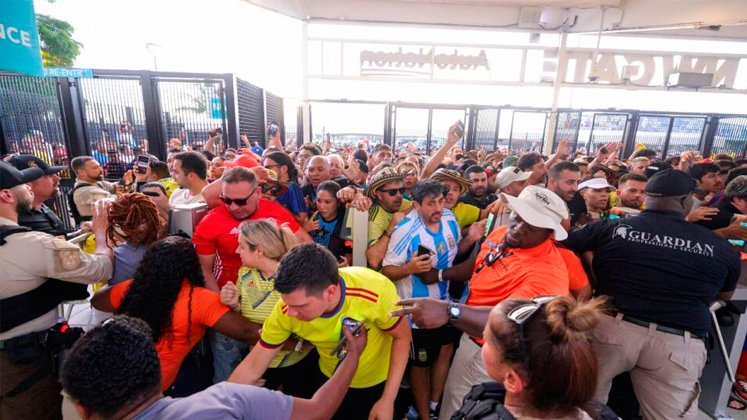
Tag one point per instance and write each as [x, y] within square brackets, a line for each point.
[261, 245]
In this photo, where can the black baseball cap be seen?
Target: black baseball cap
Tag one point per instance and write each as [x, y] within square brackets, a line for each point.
[30, 161]
[10, 176]
[669, 183]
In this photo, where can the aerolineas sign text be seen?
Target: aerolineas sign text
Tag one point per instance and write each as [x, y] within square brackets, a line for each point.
[19, 41]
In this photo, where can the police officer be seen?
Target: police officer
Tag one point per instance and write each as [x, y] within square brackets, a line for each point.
[661, 273]
[40, 217]
[30, 336]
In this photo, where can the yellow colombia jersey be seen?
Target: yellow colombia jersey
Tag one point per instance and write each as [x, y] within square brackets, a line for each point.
[466, 214]
[379, 219]
[258, 297]
[367, 296]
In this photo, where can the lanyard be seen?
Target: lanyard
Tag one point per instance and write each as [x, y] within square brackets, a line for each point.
[496, 253]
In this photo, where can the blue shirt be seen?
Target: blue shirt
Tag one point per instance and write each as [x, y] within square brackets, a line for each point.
[411, 233]
[324, 233]
[292, 199]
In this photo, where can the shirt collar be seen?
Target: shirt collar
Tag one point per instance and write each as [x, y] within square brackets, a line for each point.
[342, 301]
[537, 251]
[7, 222]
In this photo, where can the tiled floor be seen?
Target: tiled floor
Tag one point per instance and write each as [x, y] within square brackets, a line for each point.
[83, 316]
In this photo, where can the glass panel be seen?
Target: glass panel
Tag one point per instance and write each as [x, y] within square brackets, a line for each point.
[731, 136]
[347, 123]
[528, 131]
[412, 127]
[652, 132]
[567, 128]
[686, 135]
[608, 128]
[504, 129]
[442, 120]
[487, 119]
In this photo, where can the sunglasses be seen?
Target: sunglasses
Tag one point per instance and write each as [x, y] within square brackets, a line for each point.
[521, 314]
[394, 191]
[238, 201]
[267, 188]
[496, 253]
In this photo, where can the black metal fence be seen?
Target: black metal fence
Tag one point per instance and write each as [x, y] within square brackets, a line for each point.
[119, 113]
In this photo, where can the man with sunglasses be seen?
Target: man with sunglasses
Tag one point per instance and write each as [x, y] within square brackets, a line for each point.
[216, 241]
[515, 261]
[387, 190]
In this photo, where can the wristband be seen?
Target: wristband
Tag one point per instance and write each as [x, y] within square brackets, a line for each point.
[440, 275]
[299, 345]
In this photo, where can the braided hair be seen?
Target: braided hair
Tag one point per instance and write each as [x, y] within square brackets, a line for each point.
[133, 217]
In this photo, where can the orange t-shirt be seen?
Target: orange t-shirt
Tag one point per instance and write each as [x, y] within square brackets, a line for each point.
[524, 274]
[206, 311]
[577, 277]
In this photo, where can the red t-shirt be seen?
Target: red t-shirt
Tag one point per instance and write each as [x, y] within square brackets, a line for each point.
[218, 234]
[206, 311]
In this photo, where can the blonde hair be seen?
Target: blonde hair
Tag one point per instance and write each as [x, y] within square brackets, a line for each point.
[275, 240]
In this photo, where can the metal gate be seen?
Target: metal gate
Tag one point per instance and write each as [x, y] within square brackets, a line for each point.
[31, 120]
[524, 130]
[731, 137]
[670, 135]
[425, 126]
[602, 129]
[567, 128]
[485, 129]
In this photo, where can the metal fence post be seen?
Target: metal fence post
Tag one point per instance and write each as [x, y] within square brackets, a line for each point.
[71, 106]
[232, 111]
[152, 111]
[710, 136]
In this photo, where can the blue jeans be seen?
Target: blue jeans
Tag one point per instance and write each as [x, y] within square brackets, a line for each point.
[227, 354]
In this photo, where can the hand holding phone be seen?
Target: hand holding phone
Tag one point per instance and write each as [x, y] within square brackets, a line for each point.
[423, 250]
[354, 327]
[142, 164]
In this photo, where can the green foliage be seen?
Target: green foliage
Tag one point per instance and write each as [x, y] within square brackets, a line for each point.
[59, 49]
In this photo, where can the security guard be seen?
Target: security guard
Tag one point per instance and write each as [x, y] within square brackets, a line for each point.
[40, 217]
[661, 273]
[30, 337]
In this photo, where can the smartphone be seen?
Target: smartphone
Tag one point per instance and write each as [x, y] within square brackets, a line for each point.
[355, 328]
[423, 250]
[272, 129]
[459, 129]
[142, 164]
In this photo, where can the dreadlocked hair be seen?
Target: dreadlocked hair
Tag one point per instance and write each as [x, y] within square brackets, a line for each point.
[153, 292]
[133, 217]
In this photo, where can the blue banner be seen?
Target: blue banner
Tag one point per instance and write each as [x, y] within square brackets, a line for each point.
[20, 51]
[68, 72]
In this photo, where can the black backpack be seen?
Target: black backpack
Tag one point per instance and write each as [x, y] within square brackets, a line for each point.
[73, 208]
[484, 402]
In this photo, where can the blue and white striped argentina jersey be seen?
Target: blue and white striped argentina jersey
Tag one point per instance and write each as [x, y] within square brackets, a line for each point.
[410, 233]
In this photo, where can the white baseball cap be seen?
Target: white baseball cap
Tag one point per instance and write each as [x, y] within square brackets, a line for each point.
[596, 184]
[542, 208]
[510, 174]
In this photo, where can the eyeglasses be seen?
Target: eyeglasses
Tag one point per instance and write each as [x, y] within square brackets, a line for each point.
[239, 201]
[394, 191]
[521, 314]
[496, 253]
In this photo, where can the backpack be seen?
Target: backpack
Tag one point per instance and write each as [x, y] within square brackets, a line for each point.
[74, 208]
[484, 402]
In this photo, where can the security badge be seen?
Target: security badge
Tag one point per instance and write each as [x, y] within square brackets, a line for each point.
[422, 355]
[66, 256]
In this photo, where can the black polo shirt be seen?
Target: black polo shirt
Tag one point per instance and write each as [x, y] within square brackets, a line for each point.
[43, 220]
[481, 203]
[659, 268]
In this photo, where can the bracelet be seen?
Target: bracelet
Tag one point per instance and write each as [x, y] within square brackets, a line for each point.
[440, 275]
[299, 345]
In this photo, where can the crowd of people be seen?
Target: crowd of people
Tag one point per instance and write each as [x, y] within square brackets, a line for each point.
[550, 276]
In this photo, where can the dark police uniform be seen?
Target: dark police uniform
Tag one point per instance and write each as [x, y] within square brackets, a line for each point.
[481, 203]
[662, 273]
[44, 219]
[28, 307]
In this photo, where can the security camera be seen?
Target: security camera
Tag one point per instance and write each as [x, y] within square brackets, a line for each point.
[553, 18]
[594, 74]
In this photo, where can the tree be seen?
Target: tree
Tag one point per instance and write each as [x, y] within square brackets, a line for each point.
[59, 49]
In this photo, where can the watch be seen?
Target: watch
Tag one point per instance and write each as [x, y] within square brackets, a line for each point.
[455, 311]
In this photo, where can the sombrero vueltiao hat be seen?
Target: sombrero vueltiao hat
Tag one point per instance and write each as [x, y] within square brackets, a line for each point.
[451, 175]
[381, 178]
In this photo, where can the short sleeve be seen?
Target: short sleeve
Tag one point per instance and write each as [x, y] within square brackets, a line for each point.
[206, 306]
[591, 236]
[375, 228]
[397, 253]
[276, 328]
[387, 298]
[203, 237]
[118, 292]
[577, 277]
[281, 215]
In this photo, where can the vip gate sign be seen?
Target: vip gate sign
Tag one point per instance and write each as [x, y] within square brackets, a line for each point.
[19, 40]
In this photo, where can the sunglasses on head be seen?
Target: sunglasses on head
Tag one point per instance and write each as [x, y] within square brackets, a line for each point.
[521, 314]
[394, 191]
[238, 201]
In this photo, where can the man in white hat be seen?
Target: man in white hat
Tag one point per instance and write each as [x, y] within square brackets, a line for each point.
[596, 193]
[516, 261]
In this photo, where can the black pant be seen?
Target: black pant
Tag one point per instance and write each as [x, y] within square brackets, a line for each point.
[357, 403]
[297, 379]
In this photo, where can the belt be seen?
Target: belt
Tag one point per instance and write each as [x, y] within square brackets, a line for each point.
[661, 328]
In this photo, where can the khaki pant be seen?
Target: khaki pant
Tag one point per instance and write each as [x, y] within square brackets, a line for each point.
[664, 367]
[41, 401]
[466, 370]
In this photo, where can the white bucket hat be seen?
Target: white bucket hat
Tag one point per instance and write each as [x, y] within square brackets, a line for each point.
[542, 208]
[595, 184]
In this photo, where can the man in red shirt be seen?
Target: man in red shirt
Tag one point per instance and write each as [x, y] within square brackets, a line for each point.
[518, 261]
[216, 241]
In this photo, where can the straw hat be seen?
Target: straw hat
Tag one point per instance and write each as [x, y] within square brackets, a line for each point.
[381, 178]
[451, 175]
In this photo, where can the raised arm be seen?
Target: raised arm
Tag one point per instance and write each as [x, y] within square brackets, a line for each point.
[440, 154]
